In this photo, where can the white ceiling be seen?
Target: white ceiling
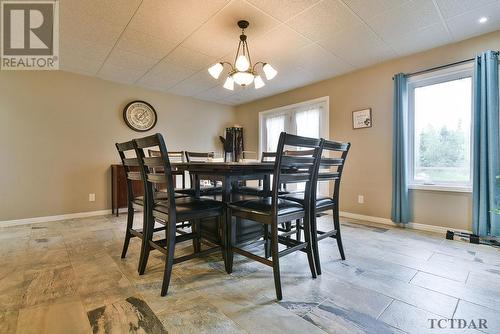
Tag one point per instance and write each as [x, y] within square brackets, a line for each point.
[168, 45]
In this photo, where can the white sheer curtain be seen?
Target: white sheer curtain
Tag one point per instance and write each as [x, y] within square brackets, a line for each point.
[307, 122]
[274, 126]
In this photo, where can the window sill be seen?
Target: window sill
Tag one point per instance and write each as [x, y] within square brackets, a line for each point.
[429, 187]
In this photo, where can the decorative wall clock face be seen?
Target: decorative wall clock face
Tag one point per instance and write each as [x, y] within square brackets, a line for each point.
[140, 116]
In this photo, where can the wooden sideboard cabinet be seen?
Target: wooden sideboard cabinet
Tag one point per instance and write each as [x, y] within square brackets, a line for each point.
[119, 188]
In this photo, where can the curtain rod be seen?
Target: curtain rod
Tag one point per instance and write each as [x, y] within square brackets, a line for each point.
[440, 67]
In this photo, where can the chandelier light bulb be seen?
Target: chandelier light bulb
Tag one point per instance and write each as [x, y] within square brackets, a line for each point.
[258, 82]
[269, 71]
[229, 84]
[243, 78]
[215, 70]
[242, 64]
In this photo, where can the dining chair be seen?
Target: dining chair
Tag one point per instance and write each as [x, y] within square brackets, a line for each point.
[330, 170]
[272, 211]
[130, 163]
[177, 156]
[171, 210]
[214, 189]
[256, 191]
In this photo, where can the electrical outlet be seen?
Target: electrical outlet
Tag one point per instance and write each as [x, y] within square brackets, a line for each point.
[361, 199]
[91, 197]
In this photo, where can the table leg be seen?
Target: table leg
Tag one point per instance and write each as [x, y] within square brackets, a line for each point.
[227, 221]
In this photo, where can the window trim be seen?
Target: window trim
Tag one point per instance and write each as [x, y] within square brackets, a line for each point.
[427, 79]
[289, 109]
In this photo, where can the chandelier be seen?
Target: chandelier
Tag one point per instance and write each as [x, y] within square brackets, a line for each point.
[243, 72]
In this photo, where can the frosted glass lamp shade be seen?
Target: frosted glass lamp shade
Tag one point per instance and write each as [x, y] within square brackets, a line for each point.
[258, 82]
[269, 71]
[243, 78]
[242, 64]
[229, 84]
[215, 70]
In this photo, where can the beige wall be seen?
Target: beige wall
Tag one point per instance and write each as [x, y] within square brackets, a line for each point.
[368, 170]
[57, 135]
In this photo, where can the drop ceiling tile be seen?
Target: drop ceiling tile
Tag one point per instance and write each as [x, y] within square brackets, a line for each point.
[267, 47]
[220, 35]
[319, 62]
[450, 8]
[174, 20]
[191, 59]
[117, 12]
[283, 9]
[89, 29]
[165, 75]
[405, 19]
[82, 56]
[195, 84]
[133, 61]
[368, 9]
[168, 69]
[423, 39]
[323, 19]
[358, 46]
[216, 94]
[157, 82]
[119, 74]
[142, 43]
[467, 25]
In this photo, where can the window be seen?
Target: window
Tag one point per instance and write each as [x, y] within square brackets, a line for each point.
[440, 122]
[309, 119]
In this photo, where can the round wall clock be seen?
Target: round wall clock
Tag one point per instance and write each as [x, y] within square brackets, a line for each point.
[140, 116]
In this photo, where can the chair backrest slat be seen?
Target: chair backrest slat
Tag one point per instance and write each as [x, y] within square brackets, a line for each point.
[199, 156]
[268, 157]
[173, 156]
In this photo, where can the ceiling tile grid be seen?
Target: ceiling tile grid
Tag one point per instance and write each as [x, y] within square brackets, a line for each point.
[169, 45]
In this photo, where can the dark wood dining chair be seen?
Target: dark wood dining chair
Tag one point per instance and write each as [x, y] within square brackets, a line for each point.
[171, 210]
[330, 170]
[176, 156]
[131, 165]
[272, 211]
[214, 189]
[256, 191]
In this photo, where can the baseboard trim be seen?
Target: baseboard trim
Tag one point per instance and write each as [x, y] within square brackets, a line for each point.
[372, 219]
[411, 225]
[46, 219]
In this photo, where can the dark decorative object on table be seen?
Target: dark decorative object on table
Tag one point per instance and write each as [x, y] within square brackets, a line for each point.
[233, 144]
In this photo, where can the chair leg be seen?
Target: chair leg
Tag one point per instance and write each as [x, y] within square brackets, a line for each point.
[309, 248]
[128, 235]
[229, 242]
[336, 224]
[195, 228]
[314, 243]
[267, 244]
[147, 235]
[169, 262]
[297, 227]
[275, 258]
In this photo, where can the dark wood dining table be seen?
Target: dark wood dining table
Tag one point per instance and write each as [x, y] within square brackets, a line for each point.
[229, 173]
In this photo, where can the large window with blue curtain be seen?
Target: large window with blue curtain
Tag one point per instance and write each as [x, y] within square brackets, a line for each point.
[439, 129]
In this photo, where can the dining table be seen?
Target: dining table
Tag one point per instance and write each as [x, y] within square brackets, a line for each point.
[229, 174]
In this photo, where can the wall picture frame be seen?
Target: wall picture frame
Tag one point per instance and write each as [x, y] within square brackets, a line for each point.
[362, 119]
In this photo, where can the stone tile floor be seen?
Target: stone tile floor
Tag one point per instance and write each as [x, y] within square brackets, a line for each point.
[67, 277]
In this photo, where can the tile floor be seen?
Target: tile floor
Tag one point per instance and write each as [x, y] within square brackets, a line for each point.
[67, 277]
